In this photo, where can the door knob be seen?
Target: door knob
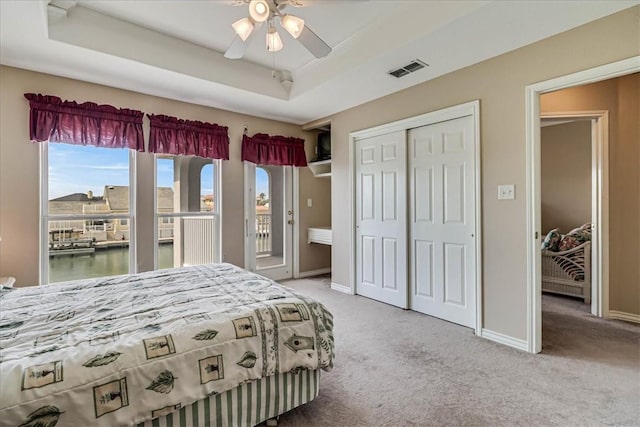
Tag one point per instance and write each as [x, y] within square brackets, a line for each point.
[290, 222]
[290, 212]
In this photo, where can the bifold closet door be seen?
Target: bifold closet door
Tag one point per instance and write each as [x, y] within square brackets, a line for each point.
[381, 218]
[442, 249]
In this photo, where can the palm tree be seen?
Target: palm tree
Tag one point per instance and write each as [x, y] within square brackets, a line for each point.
[262, 200]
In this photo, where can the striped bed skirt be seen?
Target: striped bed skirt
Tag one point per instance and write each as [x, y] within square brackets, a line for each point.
[246, 405]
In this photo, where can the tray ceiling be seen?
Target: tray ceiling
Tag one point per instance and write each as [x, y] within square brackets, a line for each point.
[174, 49]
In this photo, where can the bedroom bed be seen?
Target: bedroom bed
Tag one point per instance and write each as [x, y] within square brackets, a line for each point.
[194, 346]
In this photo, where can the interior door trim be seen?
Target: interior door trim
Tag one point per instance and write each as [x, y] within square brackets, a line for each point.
[532, 106]
[599, 120]
[249, 248]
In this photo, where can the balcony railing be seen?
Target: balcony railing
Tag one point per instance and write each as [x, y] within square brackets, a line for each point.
[80, 229]
[263, 234]
[195, 241]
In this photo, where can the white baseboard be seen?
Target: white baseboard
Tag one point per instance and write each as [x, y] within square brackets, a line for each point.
[628, 317]
[311, 273]
[341, 288]
[505, 339]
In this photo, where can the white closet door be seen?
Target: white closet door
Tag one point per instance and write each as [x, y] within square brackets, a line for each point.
[442, 220]
[381, 218]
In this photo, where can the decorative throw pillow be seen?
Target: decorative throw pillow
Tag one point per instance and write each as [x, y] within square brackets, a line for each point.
[567, 242]
[552, 240]
[581, 234]
[575, 237]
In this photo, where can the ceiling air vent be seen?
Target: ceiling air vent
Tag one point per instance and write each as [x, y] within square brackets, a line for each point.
[414, 65]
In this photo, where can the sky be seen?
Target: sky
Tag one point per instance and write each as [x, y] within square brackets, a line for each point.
[262, 182]
[78, 169]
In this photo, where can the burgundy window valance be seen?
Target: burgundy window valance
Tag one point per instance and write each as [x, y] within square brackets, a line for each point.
[52, 119]
[263, 149]
[170, 135]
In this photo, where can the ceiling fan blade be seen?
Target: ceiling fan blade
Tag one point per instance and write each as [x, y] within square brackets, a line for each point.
[237, 48]
[313, 43]
[235, 2]
[305, 3]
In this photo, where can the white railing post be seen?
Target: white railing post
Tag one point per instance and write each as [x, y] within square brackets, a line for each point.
[263, 234]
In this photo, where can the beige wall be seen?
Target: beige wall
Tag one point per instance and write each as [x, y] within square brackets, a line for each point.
[499, 84]
[19, 170]
[565, 155]
[621, 98]
[625, 269]
[319, 191]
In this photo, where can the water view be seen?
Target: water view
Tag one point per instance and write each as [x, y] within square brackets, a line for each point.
[104, 262]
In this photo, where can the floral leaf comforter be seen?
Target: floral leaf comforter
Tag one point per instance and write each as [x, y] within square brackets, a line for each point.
[120, 350]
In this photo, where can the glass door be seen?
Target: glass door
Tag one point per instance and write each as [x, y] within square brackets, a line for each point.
[269, 220]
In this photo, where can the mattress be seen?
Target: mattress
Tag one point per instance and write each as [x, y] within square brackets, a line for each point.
[126, 349]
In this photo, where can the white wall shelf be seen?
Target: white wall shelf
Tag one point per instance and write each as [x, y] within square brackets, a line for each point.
[321, 169]
[321, 235]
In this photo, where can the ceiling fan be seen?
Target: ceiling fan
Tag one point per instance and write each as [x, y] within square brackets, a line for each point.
[268, 11]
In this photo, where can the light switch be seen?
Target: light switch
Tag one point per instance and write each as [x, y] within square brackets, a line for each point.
[506, 192]
[309, 203]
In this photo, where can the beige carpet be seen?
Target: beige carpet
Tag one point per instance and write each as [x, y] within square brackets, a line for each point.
[401, 368]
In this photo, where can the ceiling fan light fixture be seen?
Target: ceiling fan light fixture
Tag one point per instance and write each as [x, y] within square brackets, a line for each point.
[259, 10]
[243, 27]
[293, 25]
[267, 11]
[274, 42]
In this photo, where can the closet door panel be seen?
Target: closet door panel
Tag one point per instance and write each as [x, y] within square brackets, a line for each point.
[442, 213]
[381, 218]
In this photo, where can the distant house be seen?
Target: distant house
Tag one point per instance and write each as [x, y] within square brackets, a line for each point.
[165, 205]
[165, 199]
[115, 200]
[206, 203]
[76, 203]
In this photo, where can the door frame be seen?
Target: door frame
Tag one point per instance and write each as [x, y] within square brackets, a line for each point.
[295, 232]
[454, 112]
[599, 203]
[532, 111]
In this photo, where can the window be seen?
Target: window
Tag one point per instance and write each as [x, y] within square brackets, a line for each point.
[187, 207]
[87, 219]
